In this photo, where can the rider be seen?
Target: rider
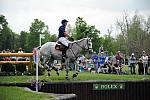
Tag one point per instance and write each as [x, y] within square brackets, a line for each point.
[63, 36]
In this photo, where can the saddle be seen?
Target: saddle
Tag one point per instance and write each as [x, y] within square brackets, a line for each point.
[60, 46]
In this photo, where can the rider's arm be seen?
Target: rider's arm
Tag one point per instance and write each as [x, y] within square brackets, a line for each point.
[66, 34]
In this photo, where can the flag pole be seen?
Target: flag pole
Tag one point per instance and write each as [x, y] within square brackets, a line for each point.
[40, 39]
[37, 61]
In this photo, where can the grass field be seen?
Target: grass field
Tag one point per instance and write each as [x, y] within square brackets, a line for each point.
[18, 93]
[83, 76]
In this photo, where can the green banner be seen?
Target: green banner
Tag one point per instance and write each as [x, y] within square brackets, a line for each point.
[109, 86]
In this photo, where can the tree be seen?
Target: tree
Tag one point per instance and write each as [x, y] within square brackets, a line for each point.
[3, 22]
[109, 42]
[134, 35]
[83, 30]
[37, 27]
[23, 40]
[7, 37]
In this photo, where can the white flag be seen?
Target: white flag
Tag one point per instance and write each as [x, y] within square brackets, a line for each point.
[42, 36]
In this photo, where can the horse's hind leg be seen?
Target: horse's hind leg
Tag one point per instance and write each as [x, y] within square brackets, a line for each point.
[51, 67]
[67, 70]
[56, 69]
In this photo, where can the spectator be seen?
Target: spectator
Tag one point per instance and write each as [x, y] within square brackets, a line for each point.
[20, 58]
[8, 51]
[20, 50]
[117, 67]
[145, 62]
[119, 57]
[126, 60]
[106, 57]
[101, 49]
[95, 61]
[132, 62]
[82, 60]
[140, 67]
[101, 61]
[105, 68]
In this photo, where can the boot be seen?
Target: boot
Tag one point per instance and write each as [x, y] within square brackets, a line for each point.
[64, 53]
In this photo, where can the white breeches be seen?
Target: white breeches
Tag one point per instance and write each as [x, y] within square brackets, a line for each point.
[64, 41]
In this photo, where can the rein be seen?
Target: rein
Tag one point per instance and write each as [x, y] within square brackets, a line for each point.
[78, 46]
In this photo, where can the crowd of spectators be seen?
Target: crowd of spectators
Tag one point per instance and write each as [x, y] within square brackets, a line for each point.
[102, 63]
[20, 50]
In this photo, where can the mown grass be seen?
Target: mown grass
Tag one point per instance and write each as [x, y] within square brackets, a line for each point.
[83, 76]
[18, 93]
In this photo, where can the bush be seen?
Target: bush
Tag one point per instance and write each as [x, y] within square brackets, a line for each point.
[7, 67]
[21, 67]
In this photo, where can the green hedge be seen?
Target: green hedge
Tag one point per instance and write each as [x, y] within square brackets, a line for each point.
[8, 67]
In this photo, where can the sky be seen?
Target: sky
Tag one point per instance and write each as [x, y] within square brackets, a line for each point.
[101, 13]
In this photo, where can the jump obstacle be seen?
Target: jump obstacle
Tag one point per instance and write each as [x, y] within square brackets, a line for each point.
[30, 55]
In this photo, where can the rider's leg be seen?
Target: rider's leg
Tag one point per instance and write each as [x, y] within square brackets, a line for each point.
[65, 42]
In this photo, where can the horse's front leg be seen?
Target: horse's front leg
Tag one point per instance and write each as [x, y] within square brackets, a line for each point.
[49, 67]
[74, 76]
[67, 69]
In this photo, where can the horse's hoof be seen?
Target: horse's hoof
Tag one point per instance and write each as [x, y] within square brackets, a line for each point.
[57, 73]
[49, 74]
[67, 78]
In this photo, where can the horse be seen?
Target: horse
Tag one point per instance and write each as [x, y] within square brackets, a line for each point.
[49, 53]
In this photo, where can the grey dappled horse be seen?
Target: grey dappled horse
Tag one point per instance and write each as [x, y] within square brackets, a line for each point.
[49, 52]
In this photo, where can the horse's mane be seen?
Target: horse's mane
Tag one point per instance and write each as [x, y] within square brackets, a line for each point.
[78, 40]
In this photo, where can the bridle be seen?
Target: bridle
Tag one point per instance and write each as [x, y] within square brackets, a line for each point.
[86, 49]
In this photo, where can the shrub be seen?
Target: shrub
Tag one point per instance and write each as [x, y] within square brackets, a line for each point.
[7, 67]
[21, 67]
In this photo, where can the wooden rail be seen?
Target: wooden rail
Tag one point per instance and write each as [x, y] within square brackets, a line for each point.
[16, 54]
[29, 63]
[15, 62]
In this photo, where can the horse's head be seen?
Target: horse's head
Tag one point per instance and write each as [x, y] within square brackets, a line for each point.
[88, 46]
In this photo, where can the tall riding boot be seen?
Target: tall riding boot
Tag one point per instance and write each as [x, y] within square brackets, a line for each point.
[64, 53]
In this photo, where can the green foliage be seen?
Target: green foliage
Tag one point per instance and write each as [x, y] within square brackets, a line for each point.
[37, 27]
[109, 44]
[134, 36]
[7, 67]
[21, 68]
[3, 22]
[83, 30]
[23, 40]
[6, 35]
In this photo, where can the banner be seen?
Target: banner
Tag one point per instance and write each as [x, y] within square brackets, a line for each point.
[35, 55]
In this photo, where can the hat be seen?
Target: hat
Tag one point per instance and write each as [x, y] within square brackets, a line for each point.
[63, 21]
[118, 51]
[132, 54]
